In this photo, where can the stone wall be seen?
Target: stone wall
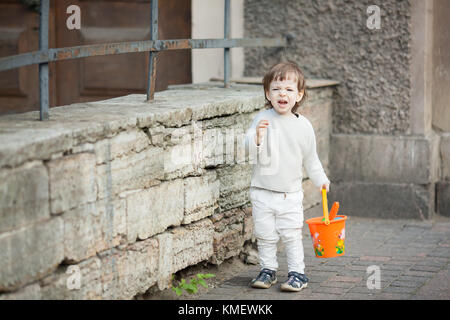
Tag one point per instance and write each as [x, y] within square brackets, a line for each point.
[384, 154]
[110, 198]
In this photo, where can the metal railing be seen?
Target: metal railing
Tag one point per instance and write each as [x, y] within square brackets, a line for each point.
[153, 46]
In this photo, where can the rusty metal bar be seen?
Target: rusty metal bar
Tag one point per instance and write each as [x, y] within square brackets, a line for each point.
[153, 46]
[43, 67]
[226, 51]
[151, 81]
[60, 54]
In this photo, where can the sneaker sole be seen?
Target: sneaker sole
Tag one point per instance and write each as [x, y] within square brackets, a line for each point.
[287, 288]
[262, 285]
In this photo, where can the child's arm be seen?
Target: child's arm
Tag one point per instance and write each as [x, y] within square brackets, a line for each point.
[252, 137]
[312, 163]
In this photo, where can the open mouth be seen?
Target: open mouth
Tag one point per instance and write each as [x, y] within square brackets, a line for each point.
[282, 102]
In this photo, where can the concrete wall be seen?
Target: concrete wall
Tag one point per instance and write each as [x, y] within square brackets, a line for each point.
[384, 156]
[208, 23]
[441, 99]
[110, 198]
[441, 65]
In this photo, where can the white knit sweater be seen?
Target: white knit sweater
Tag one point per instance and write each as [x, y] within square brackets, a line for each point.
[288, 144]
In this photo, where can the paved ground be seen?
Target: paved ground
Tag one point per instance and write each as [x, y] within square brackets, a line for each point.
[412, 256]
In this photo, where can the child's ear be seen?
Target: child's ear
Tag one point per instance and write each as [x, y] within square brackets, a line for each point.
[267, 95]
[300, 96]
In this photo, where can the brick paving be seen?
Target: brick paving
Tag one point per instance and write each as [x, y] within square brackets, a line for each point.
[412, 256]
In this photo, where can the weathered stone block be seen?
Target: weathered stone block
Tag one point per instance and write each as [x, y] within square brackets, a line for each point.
[94, 227]
[311, 194]
[234, 185]
[130, 272]
[23, 196]
[181, 247]
[192, 244]
[215, 108]
[165, 262]
[115, 274]
[213, 144]
[173, 117]
[157, 135]
[382, 200]
[151, 211]
[72, 182]
[229, 234]
[248, 224]
[102, 150]
[30, 253]
[135, 171]
[182, 155]
[200, 196]
[19, 145]
[82, 232]
[31, 292]
[445, 157]
[82, 281]
[318, 112]
[443, 198]
[381, 159]
[126, 142]
[122, 144]
[113, 219]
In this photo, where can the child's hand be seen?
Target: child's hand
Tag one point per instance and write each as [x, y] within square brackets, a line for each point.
[325, 186]
[260, 130]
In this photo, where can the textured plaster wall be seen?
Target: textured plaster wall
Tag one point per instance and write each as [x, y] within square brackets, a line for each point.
[331, 40]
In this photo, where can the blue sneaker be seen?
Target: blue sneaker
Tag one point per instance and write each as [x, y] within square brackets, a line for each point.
[265, 279]
[295, 282]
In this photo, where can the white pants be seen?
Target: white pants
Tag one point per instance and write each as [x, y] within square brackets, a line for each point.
[275, 215]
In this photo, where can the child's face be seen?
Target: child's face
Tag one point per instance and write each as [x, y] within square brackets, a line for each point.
[284, 94]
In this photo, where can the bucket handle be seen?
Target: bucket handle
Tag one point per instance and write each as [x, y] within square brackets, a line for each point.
[325, 206]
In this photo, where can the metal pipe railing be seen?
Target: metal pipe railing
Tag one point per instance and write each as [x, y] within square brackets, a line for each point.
[43, 67]
[153, 46]
[153, 54]
[226, 51]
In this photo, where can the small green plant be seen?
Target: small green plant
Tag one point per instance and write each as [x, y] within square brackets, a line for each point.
[191, 286]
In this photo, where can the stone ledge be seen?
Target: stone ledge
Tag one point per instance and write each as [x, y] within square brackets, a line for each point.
[383, 159]
[384, 200]
[310, 83]
[23, 137]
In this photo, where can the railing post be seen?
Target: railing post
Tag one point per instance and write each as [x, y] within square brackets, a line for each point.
[43, 67]
[226, 51]
[153, 54]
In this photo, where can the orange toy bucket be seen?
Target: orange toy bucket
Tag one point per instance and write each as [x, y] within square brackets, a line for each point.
[328, 236]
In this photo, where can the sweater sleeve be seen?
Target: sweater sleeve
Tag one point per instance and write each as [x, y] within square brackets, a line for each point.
[311, 160]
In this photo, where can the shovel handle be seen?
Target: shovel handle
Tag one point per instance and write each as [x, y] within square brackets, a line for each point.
[325, 206]
[334, 210]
